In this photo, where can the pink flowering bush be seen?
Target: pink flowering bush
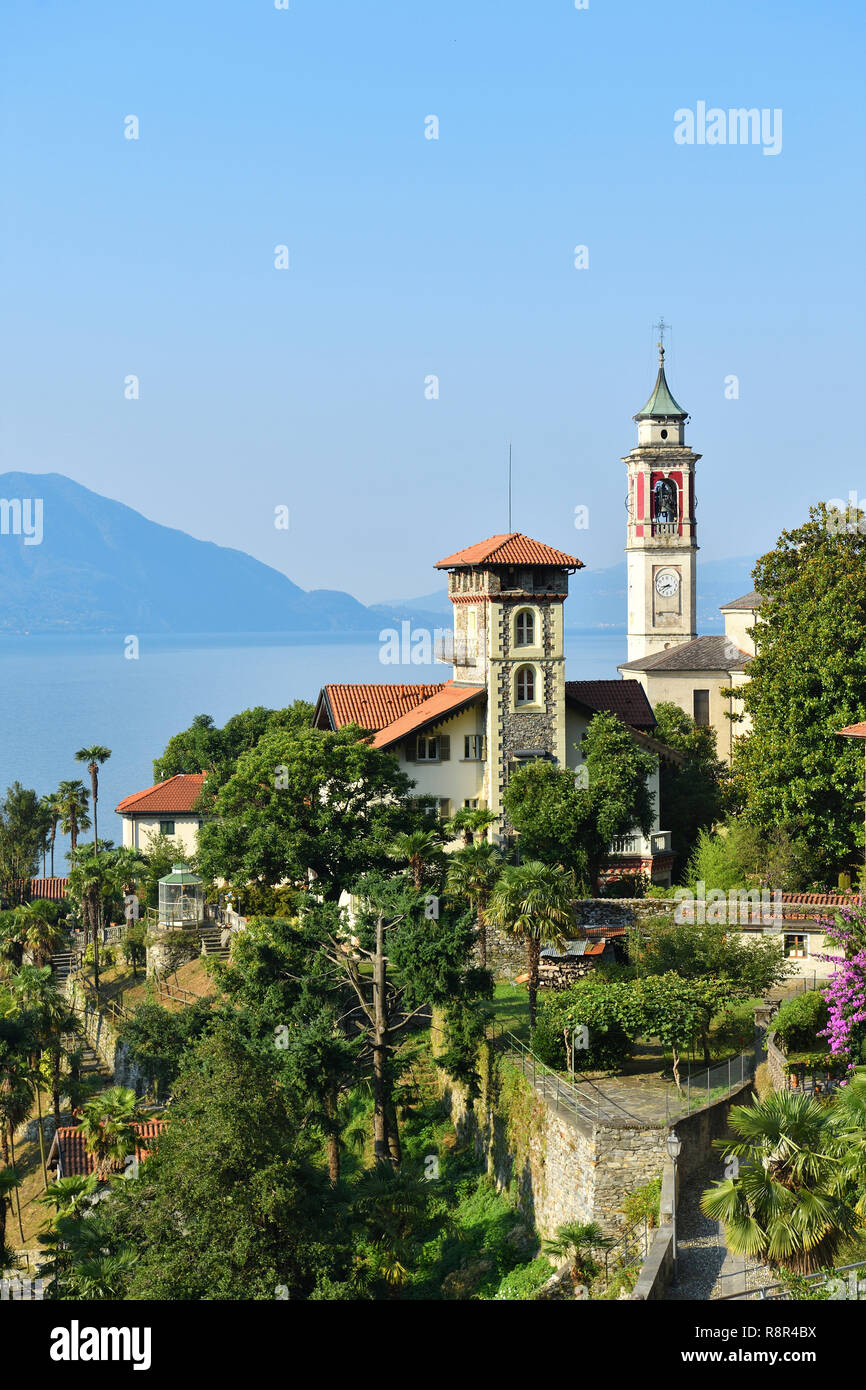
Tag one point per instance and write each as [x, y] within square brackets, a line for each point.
[845, 991]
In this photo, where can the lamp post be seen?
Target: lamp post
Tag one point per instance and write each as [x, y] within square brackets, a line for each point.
[674, 1145]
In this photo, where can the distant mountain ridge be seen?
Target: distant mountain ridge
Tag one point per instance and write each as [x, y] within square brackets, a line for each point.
[106, 568]
[103, 567]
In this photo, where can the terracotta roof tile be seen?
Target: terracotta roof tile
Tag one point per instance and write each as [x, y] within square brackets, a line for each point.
[178, 794]
[77, 1162]
[853, 731]
[511, 548]
[373, 707]
[445, 702]
[54, 889]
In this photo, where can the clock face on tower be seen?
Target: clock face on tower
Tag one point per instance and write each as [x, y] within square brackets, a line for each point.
[667, 583]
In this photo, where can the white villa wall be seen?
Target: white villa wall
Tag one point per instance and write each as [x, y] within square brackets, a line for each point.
[138, 830]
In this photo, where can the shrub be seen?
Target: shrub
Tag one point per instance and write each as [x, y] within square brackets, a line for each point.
[524, 1281]
[106, 956]
[799, 1020]
[642, 1204]
[602, 1007]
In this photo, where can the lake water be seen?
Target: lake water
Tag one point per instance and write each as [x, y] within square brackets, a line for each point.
[60, 693]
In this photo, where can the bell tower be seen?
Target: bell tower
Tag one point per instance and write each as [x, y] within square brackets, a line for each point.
[508, 594]
[661, 539]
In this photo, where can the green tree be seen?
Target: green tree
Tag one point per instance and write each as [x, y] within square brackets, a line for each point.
[562, 822]
[693, 951]
[108, 1128]
[42, 931]
[807, 680]
[73, 804]
[422, 851]
[578, 1241]
[10, 1178]
[229, 1206]
[791, 1202]
[306, 801]
[23, 825]
[472, 875]
[534, 901]
[691, 793]
[94, 756]
[471, 822]
[205, 748]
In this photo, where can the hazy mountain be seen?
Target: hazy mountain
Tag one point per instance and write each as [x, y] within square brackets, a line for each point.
[102, 567]
[89, 564]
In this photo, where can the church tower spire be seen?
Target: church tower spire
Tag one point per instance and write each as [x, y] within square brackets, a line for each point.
[661, 537]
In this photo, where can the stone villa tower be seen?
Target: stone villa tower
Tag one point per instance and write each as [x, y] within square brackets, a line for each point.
[661, 545]
[507, 594]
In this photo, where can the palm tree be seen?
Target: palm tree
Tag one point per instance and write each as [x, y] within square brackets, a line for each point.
[535, 901]
[421, 849]
[472, 874]
[94, 756]
[576, 1242]
[88, 880]
[9, 1180]
[107, 1127]
[53, 804]
[792, 1203]
[470, 821]
[68, 1195]
[43, 935]
[72, 800]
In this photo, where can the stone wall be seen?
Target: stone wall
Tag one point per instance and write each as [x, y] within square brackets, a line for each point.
[101, 1034]
[506, 954]
[564, 1169]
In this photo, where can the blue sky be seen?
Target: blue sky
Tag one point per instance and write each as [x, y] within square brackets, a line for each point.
[411, 257]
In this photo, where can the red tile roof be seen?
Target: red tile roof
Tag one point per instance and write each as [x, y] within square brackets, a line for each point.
[374, 707]
[54, 889]
[178, 794]
[853, 731]
[445, 702]
[511, 548]
[74, 1159]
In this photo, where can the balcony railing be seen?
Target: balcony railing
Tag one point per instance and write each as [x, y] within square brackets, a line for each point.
[456, 649]
[666, 528]
[659, 842]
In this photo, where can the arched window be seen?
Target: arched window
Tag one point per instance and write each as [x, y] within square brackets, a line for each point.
[525, 686]
[524, 628]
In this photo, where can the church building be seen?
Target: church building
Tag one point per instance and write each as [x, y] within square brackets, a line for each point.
[665, 653]
[508, 700]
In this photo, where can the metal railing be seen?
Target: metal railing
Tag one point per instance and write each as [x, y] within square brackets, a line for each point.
[632, 1246]
[706, 1087]
[847, 1282]
[584, 1102]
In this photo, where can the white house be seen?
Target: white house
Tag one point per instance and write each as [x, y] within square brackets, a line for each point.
[168, 808]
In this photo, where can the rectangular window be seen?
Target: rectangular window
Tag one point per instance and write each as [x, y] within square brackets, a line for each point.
[473, 748]
[470, 803]
[166, 827]
[444, 808]
[702, 708]
[428, 750]
[795, 946]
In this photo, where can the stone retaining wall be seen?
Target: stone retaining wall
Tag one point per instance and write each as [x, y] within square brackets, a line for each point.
[506, 954]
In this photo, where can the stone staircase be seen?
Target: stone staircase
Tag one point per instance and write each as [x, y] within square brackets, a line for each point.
[62, 965]
[210, 941]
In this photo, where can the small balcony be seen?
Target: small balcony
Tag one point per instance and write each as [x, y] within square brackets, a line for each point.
[456, 649]
[641, 846]
[666, 528]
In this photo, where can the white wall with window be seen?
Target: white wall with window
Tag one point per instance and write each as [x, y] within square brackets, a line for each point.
[443, 761]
